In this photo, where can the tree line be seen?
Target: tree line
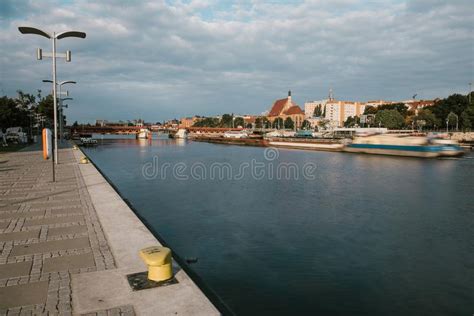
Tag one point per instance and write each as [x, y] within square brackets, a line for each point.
[26, 110]
[454, 112]
[260, 122]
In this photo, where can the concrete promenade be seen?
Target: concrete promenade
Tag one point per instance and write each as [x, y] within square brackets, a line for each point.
[66, 247]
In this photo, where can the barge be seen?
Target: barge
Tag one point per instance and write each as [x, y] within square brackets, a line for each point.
[408, 146]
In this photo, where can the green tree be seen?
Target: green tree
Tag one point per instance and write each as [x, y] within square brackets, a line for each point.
[399, 107]
[452, 119]
[226, 120]
[25, 101]
[428, 117]
[278, 123]
[317, 111]
[352, 121]
[289, 124]
[207, 122]
[370, 110]
[11, 115]
[262, 122]
[266, 123]
[455, 103]
[306, 124]
[466, 120]
[46, 107]
[391, 119]
[239, 121]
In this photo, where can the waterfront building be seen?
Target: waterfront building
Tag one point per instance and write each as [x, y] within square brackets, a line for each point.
[186, 122]
[415, 105]
[103, 123]
[337, 112]
[376, 103]
[286, 108]
[314, 121]
[249, 120]
[310, 106]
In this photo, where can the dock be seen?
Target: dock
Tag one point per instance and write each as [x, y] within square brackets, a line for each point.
[68, 246]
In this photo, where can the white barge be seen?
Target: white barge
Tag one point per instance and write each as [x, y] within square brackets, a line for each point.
[410, 146]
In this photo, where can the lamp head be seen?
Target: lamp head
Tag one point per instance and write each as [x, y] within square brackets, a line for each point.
[33, 30]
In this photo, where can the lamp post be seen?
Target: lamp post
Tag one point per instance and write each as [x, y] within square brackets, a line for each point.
[53, 37]
[60, 107]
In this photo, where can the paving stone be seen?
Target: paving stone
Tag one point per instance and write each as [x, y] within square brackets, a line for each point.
[49, 246]
[9, 208]
[25, 294]
[61, 211]
[23, 235]
[8, 215]
[45, 254]
[63, 263]
[15, 269]
[4, 224]
[53, 204]
[58, 231]
[54, 220]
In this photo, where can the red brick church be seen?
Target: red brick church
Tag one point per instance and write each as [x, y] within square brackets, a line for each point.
[285, 108]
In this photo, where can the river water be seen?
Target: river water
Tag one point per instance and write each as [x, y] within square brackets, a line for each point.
[305, 232]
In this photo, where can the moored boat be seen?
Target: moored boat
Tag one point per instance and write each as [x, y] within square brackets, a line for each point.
[143, 133]
[449, 148]
[299, 144]
[181, 133]
[235, 134]
[409, 146]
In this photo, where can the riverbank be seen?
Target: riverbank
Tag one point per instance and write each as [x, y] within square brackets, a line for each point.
[68, 246]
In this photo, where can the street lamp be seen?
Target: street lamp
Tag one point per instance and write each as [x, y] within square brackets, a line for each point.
[53, 37]
[60, 84]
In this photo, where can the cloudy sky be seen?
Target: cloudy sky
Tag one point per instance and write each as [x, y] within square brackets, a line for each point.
[164, 59]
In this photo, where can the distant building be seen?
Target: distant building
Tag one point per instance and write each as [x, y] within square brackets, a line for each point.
[415, 105]
[249, 119]
[376, 103]
[101, 123]
[310, 106]
[186, 122]
[337, 112]
[174, 123]
[285, 108]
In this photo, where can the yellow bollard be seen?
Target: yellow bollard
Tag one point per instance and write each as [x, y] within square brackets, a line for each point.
[158, 260]
[84, 160]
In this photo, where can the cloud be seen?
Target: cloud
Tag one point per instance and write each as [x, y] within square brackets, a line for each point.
[168, 59]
